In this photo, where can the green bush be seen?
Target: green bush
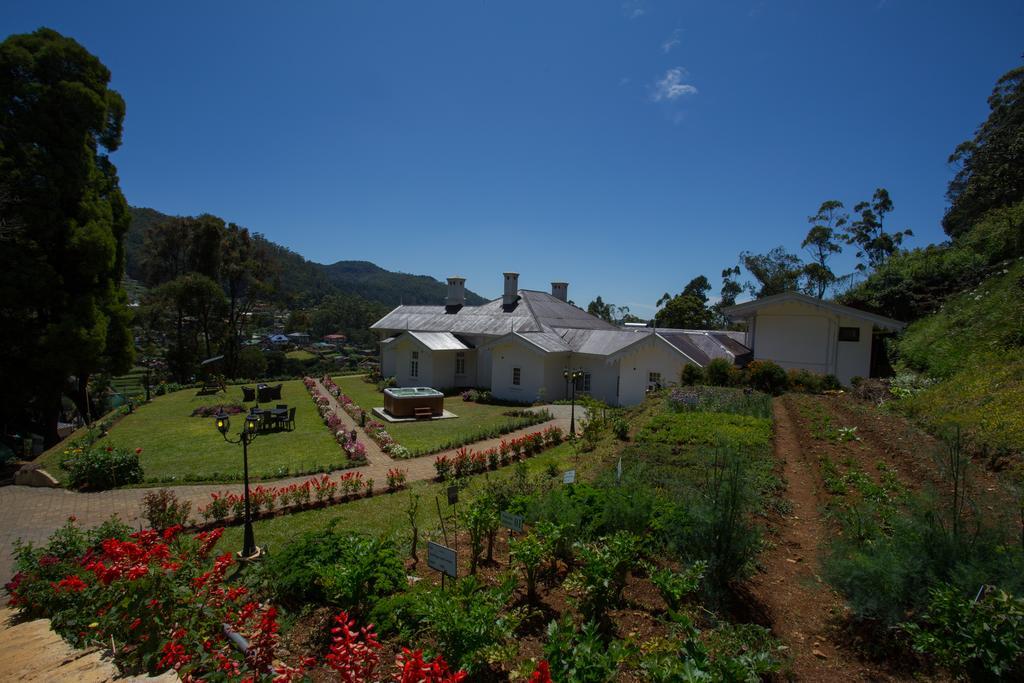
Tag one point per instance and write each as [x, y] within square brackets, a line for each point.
[600, 578]
[743, 652]
[721, 373]
[98, 468]
[674, 586]
[344, 569]
[768, 377]
[581, 656]
[691, 375]
[715, 526]
[984, 639]
[470, 624]
[251, 362]
[530, 553]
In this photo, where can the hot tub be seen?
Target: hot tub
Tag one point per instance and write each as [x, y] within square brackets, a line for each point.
[413, 402]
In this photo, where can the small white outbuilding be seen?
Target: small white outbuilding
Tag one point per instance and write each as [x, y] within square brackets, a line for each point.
[802, 332]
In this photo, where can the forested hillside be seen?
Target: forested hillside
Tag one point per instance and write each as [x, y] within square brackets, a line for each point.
[303, 283]
[962, 357]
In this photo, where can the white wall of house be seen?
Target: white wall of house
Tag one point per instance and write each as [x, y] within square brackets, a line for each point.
[853, 359]
[507, 356]
[801, 336]
[604, 376]
[636, 366]
[443, 367]
[484, 367]
[403, 350]
[387, 360]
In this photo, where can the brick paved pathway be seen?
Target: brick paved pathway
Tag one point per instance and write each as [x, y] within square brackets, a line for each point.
[32, 514]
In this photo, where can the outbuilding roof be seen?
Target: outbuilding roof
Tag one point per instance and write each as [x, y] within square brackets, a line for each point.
[750, 308]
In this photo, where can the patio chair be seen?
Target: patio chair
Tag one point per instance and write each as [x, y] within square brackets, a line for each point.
[282, 406]
[275, 393]
[264, 394]
[248, 394]
[291, 418]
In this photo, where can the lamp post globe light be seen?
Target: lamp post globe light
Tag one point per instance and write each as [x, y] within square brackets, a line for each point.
[250, 429]
[570, 378]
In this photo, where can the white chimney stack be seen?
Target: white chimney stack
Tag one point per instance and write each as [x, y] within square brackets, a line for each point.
[456, 292]
[511, 294]
[560, 290]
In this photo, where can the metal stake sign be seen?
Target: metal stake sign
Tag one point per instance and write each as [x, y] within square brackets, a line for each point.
[569, 477]
[511, 522]
[442, 559]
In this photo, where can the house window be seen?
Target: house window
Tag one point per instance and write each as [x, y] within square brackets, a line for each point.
[654, 378]
[849, 334]
[460, 362]
[414, 364]
[583, 383]
[517, 375]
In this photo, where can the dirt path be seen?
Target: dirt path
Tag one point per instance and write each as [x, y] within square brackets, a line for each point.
[800, 605]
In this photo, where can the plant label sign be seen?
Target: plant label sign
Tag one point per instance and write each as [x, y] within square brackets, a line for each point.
[441, 558]
[453, 495]
[569, 477]
[511, 522]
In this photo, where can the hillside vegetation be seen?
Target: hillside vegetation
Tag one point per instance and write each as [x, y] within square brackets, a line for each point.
[304, 282]
[974, 348]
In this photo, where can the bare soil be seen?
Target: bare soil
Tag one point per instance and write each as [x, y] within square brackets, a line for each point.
[804, 612]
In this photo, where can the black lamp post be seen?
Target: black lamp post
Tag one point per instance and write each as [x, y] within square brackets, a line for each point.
[249, 432]
[570, 377]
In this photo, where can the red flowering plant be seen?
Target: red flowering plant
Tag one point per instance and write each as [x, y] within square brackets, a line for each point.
[396, 479]
[160, 598]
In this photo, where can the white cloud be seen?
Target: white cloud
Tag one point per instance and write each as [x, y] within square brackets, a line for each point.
[672, 42]
[633, 9]
[671, 86]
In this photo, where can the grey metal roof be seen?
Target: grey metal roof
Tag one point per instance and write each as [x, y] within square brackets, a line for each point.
[439, 341]
[749, 308]
[546, 341]
[533, 312]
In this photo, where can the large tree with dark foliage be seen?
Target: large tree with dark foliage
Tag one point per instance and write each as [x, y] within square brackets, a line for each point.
[867, 232]
[991, 164]
[688, 309]
[822, 243]
[64, 310]
[775, 271]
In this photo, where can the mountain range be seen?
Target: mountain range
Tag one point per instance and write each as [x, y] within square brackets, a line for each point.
[303, 282]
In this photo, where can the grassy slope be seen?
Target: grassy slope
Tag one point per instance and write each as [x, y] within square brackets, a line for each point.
[974, 346]
[416, 436]
[174, 444]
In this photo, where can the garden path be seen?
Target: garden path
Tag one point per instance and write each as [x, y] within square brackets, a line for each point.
[802, 608]
[32, 514]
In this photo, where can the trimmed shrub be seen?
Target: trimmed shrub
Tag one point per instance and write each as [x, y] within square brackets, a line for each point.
[768, 377]
[691, 375]
[721, 373]
[99, 468]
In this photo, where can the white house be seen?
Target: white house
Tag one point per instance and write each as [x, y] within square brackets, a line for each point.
[519, 345]
[800, 331]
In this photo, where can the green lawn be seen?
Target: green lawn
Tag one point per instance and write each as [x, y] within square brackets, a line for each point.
[300, 354]
[428, 436]
[385, 514]
[190, 448]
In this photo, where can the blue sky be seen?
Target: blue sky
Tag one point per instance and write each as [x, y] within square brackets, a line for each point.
[622, 146]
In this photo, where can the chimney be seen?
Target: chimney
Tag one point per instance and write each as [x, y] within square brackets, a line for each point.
[456, 291]
[511, 289]
[560, 290]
